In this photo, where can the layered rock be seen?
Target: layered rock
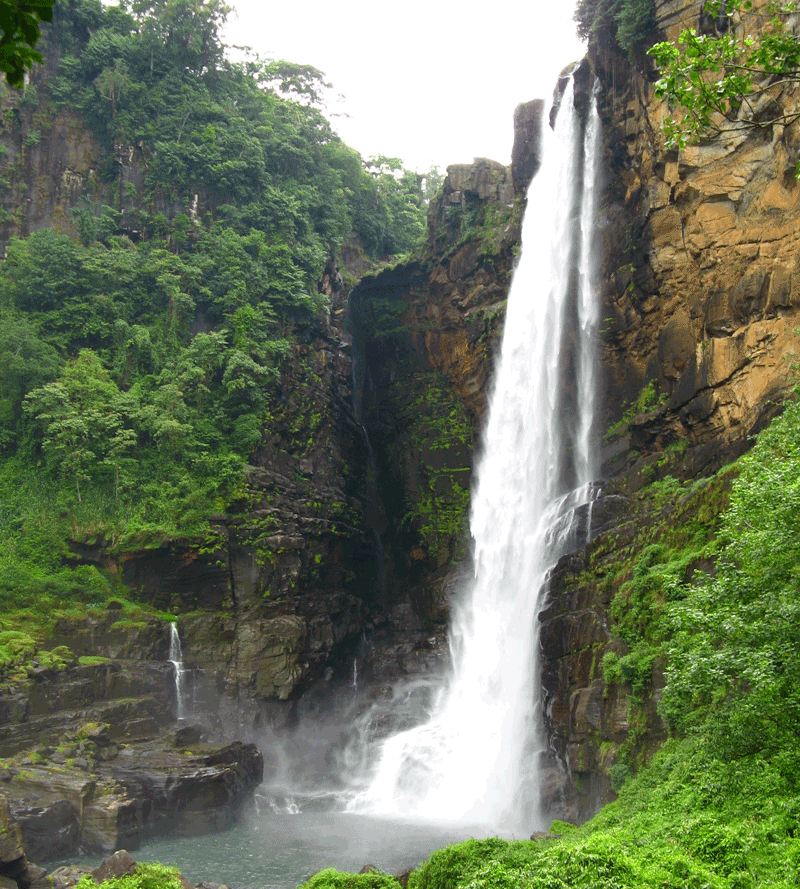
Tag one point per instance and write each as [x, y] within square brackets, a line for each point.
[91, 760]
[701, 308]
[106, 796]
[700, 261]
[350, 536]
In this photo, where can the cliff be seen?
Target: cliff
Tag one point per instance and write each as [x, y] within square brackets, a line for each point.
[700, 306]
[700, 300]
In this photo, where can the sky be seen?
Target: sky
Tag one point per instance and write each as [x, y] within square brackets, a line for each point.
[428, 81]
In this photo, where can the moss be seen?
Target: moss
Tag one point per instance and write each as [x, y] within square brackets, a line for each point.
[646, 400]
[559, 826]
[438, 435]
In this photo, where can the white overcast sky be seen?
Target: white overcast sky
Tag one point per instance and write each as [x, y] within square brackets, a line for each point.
[429, 81]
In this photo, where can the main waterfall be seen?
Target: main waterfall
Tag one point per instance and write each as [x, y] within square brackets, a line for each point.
[476, 759]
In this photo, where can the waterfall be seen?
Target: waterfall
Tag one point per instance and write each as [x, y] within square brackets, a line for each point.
[476, 759]
[176, 659]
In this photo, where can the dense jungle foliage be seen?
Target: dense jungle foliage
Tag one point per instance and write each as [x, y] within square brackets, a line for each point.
[717, 603]
[631, 24]
[140, 345]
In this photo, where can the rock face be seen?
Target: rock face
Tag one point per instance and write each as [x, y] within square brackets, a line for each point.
[286, 580]
[701, 283]
[115, 797]
[92, 760]
[701, 303]
[136, 697]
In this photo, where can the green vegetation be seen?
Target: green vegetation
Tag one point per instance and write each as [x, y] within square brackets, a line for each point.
[631, 24]
[333, 879]
[711, 594]
[729, 77]
[142, 344]
[147, 876]
[646, 400]
[19, 32]
[437, 433]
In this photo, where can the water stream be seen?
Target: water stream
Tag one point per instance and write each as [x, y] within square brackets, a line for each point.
[176, 659]
[476, 759]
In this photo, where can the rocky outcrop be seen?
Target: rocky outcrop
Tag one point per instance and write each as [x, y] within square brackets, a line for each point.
[526, 152]
[120, 864]
[425, 336]
[137, 697]
[15, 869]
[101, 796]
[92, 757]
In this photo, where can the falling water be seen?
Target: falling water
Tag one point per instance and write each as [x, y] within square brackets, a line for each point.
[476, 759]
[176, 659]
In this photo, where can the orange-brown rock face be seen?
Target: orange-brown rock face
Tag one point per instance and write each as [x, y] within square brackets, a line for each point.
[701, 312]
[702, 289]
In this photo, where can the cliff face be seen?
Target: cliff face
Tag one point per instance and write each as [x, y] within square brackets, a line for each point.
[701, 286]
[353, 507]
[701, 302]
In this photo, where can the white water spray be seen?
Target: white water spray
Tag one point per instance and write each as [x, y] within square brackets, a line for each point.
[176, 659]
[476, 759]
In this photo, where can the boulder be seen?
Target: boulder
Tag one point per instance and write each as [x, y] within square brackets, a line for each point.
[11, 848]
[119, 864]
[69, 875]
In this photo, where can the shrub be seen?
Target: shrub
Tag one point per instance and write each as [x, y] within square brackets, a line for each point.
[334, 879]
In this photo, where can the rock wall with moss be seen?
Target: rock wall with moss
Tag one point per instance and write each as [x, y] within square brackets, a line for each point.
[701, 303]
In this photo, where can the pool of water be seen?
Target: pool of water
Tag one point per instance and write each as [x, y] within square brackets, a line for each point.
[276, 850]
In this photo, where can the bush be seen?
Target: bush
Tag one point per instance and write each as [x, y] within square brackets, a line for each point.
[334, 879]
[147, 876]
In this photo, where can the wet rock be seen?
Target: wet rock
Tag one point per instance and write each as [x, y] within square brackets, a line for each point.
[403, 876]
[11, 848]
[149, 789]
[115, 699]
[188, 735]
[69, 875]
[119, 864]
[35, 878]
[46, 802]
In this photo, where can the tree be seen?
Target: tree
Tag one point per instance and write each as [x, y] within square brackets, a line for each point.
[182, 32]
[303, 83]
[84, 420]
[26, 362]
[732, 78]
[19, 24]
[630, 23]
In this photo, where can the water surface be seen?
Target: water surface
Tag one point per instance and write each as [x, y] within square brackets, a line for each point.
[272, 850]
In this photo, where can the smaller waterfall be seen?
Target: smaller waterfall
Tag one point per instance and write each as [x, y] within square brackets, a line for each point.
[176, 659]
